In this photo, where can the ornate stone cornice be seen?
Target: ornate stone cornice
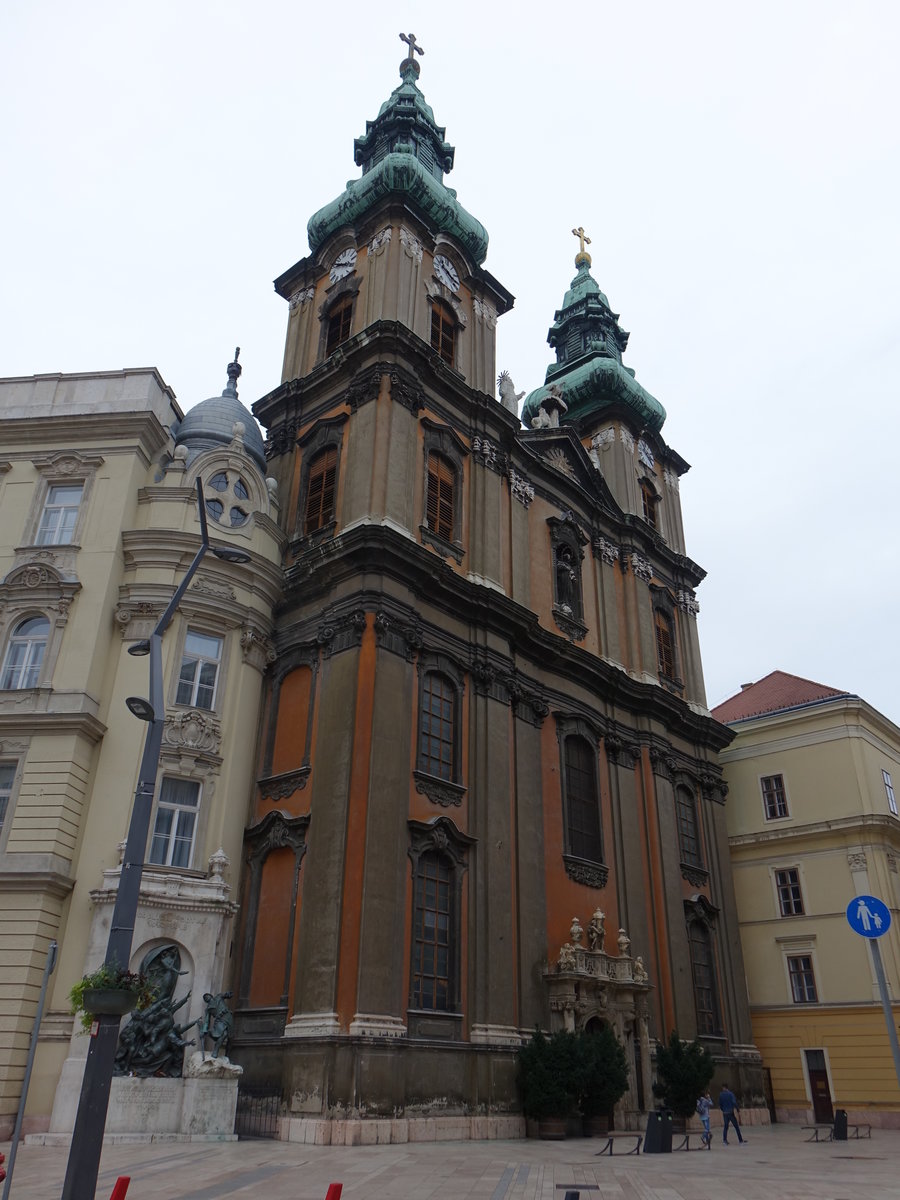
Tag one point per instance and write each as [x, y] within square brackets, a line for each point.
[341, 631]
[590, 874]
[283, 786]
[257, 647]
[439, 791]
[489, 455]
[605, 550]
[398, 636]
[695, 875]
[641, 567]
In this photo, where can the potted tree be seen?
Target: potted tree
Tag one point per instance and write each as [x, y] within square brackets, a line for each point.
[604, 1078]
[548, 1078]
[684, 1071]
[109, 991]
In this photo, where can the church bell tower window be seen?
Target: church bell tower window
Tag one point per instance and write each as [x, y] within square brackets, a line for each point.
[321, 490]
[339, 324]
[443, 332]
[440, 499]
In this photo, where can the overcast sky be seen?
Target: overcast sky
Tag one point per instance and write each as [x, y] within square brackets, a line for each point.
[735, 166]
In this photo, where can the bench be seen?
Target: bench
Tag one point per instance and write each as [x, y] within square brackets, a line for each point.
[859, 1131]
[827, 1132]
[705, 1143]
[612, 1138]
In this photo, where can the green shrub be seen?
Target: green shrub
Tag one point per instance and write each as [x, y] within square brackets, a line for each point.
[109, 978]
[684, 1071]
[604, 1076]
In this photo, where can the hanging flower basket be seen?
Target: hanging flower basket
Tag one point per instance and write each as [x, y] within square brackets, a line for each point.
[109, 1002]
[109, 991]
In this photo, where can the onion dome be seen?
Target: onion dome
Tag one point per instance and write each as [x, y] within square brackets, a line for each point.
[211, 423]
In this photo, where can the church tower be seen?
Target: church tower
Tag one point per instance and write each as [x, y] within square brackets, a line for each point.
[486, 711]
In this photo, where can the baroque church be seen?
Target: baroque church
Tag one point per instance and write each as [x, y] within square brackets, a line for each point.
[489, 796]
[437, 765]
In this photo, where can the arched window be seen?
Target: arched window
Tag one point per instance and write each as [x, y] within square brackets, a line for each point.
[24, 654]
[433, 950]
[443, 332]
[437, 726]
[320, 490]
[583, 836]
[440, 500]
[703, 970]
[688, 831]
[339, 324]
[665, 644]
[649, 501]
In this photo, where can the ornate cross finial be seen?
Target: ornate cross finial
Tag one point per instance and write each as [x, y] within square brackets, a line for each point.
[582, 256]
[410, 39]
[234, 374]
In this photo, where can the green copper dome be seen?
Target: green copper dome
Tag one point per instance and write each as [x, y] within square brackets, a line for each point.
[588, 371]
[403, 150]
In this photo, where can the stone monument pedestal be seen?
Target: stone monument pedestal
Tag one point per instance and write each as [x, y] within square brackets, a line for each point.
[198, 1107]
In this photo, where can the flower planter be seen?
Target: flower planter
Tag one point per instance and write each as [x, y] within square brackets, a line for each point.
[552, 1129]
[109, 1002]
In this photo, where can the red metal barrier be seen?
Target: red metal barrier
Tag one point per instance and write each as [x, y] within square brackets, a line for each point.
[118, 1192]
[334, 1191]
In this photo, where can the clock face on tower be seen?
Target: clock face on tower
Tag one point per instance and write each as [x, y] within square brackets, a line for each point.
[343, 264]
[446, 272]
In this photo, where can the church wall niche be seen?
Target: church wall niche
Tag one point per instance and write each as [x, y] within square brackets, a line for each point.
[272, 953]
[292, 722]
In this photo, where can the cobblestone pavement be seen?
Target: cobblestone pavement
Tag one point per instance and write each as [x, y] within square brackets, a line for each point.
[775, 1164]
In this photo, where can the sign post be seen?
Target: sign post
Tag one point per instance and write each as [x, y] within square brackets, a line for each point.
[871, 919]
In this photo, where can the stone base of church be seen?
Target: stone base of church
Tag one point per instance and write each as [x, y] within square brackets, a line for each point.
[393, 1131]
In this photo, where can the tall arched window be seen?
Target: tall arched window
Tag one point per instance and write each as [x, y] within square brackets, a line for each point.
[440, 500]
[433, 932]
[665, 644]
[25, 654]
[649, 501]
[688, 831]
[437, 726]
[583, 836]
[339, 324]
[443, 331]
[320, 490]
[703, 970]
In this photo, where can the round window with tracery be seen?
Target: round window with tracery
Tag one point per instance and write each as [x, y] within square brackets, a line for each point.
[227, 499]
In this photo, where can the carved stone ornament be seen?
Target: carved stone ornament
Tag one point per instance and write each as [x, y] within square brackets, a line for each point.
[641, 567]
[559, 460]
[566, 960]
[257, 649]
[592, 875]
[857, 861]
[12, 746]
[624, 943]
[519, 487]
[606, 550]
[411, 244]
[663, 763]
[487, 453]
[301, 296]
[484, 312]
[483, 675]
[694, 875]
[341, 631]
[380, 240]
[274, 832]
[283, 786]
[576, 933]
[439, 791]
[213, 589]
[602, 440]
[627, 439]
[144, 617]
[671, 479]
[575, 630]
[688, 603]
[892, 862]
[192, 730]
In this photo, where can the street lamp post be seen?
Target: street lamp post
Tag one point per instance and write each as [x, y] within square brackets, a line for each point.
[90, 1121]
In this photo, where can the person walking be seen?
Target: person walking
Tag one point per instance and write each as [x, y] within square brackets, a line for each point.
[704, 1104]
[729, 1106]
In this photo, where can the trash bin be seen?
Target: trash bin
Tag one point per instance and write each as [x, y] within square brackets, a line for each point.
[840, 1125]
[658, 1138]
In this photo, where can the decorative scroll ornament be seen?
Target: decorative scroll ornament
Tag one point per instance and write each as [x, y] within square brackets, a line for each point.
[486, 452]
[380, 240]
[257, 649]
[213, 589]
[627, 438]
[641, 567]
[439, 791]
[607, 551]
[688, 603]
[301, 296]
[192, 730]
[411, 244]
[520, 488]
[484, 312]
[857, 861]
[671, 479]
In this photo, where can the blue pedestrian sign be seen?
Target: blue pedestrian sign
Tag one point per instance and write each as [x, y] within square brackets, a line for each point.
[869, 916]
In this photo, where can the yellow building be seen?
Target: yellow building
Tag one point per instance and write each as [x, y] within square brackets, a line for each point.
[98, 498]
[813, 822]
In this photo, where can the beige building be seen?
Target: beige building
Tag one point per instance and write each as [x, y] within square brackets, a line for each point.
[813, 822]
[99, 521]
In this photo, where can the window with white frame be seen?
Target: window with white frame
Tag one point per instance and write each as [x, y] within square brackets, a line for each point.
[199, 670]
[790, 898]
[7, 776]
[803, 980]
[176, 822]
[25, 654]
[60, 514]
[889, 789]
[774, 797]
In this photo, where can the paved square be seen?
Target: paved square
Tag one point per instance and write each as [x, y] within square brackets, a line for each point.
[776, 1164]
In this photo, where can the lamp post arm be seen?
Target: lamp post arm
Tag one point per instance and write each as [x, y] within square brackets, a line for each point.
[163, 622]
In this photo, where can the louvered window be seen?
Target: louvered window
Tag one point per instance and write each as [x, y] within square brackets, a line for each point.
[649, 501]
[339, 324]
[443, 332]
[665, 645]
[440, 499]
[320, 490]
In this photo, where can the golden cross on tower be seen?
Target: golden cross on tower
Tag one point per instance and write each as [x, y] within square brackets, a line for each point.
[410, 39]
[582, 255]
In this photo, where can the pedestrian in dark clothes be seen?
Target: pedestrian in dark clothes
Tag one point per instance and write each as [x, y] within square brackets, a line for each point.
[729, 1106]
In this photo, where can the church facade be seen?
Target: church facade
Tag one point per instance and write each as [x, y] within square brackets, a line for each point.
[488, 795]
